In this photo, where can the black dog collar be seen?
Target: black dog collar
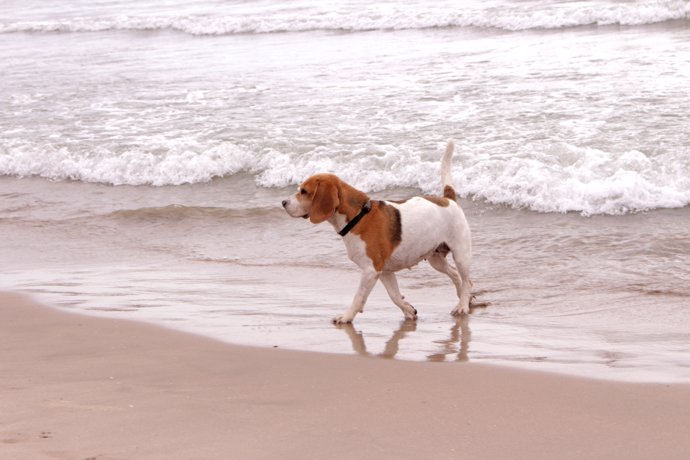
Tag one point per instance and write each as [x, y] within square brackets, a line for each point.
[350, 225]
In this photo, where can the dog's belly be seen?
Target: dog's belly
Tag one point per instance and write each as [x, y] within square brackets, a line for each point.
[401, 259]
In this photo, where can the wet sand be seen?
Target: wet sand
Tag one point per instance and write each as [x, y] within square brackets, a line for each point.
[77, 387]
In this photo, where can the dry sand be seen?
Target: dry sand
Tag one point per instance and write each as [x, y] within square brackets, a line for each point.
[76, 387]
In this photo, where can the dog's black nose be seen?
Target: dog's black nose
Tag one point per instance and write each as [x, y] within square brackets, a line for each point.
[284, 203]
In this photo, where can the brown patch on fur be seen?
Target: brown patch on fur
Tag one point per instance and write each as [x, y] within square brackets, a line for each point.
[326, 194]
[381, 231]
[449, 192]
[351, 200]
[325, 201]
[395, 222]
[437, 200]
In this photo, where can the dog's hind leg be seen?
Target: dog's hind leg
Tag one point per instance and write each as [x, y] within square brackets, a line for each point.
[438, 262]
[390, 282]
[462, 267]
[460, 278]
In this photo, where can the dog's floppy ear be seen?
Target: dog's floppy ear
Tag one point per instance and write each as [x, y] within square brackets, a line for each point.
[324, 203]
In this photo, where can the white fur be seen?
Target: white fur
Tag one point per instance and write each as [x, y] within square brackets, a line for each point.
[293, 207]
[426, 226]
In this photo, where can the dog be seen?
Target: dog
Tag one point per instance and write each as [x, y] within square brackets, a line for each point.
[383, 237]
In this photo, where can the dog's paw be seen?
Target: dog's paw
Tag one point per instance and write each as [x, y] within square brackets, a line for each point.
[343, 319]
[460, 310]
[410, 313]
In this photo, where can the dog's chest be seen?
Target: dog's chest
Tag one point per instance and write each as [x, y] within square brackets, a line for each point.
[357, 251]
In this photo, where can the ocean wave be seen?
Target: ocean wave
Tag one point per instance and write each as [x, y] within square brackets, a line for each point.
[565, 178]
[553, 177]
[370, 17]
[180, 162]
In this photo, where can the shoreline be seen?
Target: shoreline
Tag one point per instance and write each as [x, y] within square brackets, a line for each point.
[76, 386]
[127, 252]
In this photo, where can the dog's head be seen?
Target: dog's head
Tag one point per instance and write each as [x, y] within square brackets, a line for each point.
[317, 198]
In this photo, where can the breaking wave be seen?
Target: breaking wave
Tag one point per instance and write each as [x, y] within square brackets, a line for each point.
[550, 178]
[359, 17]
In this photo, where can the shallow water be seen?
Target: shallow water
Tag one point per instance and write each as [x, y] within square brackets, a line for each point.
[600, 296]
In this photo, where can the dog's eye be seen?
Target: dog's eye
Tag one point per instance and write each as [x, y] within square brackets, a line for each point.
[302, 191]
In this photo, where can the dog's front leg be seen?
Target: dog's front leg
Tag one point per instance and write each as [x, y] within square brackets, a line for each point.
[366, 284]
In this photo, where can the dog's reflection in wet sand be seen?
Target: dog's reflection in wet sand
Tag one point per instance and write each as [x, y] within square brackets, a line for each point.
[457, 343]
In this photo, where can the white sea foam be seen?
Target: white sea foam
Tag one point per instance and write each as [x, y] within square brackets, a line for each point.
[181, 163]
[585, 122]
[566, 178]
[355, 17]
[549, 178]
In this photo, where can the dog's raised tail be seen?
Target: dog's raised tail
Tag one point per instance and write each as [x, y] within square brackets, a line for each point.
[446, 173]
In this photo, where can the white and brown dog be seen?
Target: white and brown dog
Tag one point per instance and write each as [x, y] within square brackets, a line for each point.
[383, 237]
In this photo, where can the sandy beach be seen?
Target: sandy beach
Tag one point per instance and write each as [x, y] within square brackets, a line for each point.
[78, 387]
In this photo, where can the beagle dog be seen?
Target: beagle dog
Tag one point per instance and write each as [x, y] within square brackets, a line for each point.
[383, 237]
